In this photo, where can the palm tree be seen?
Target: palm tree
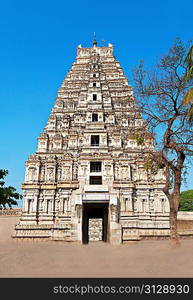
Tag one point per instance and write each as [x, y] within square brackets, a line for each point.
[188, 98]
[9, 197]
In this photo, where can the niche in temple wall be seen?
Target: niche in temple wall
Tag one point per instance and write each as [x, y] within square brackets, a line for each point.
[142, 174]
[50, 174]
[124, 172]
[127, 203]
[108, 169]
[90, 97]
[32, 173]
[59, 124]
[83, 170]
[42, 145]
[66, 172]
[164, 205]
[30, 203]
[57, 142]
[64, 205]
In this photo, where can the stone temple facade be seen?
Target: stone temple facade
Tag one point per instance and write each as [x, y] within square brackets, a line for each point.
[87, 179]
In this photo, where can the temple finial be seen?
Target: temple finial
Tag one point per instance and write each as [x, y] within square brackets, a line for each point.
[94, 40]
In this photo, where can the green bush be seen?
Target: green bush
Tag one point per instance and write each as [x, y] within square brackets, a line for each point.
[186, 201]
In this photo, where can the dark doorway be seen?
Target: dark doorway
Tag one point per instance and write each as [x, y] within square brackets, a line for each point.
[94, 210]
[94, 97]
[94, 117]
[95, 140]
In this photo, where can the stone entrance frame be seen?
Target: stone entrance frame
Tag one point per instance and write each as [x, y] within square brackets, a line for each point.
[98, 210]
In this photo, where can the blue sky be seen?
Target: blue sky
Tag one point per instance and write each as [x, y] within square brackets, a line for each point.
[38, 42]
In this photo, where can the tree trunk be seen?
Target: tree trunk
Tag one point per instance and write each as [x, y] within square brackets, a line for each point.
[174, 204]
[174, 236]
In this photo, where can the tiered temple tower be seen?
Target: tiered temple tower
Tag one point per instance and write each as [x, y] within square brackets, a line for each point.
[87, 179]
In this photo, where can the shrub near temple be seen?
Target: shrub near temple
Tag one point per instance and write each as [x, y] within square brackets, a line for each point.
[186, 201]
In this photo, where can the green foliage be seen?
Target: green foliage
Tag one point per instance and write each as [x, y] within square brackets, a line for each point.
[3, 173]
[186, 201]
[8, 195]
[154, 165]
[139, 139]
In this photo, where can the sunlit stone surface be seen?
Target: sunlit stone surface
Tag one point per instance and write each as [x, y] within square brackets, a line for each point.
[89, 163]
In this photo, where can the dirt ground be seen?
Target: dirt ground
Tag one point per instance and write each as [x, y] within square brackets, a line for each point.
[58, 259]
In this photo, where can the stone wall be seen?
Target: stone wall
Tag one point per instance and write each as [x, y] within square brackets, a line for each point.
[185, 223]
[185, 215]
[11, 212]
